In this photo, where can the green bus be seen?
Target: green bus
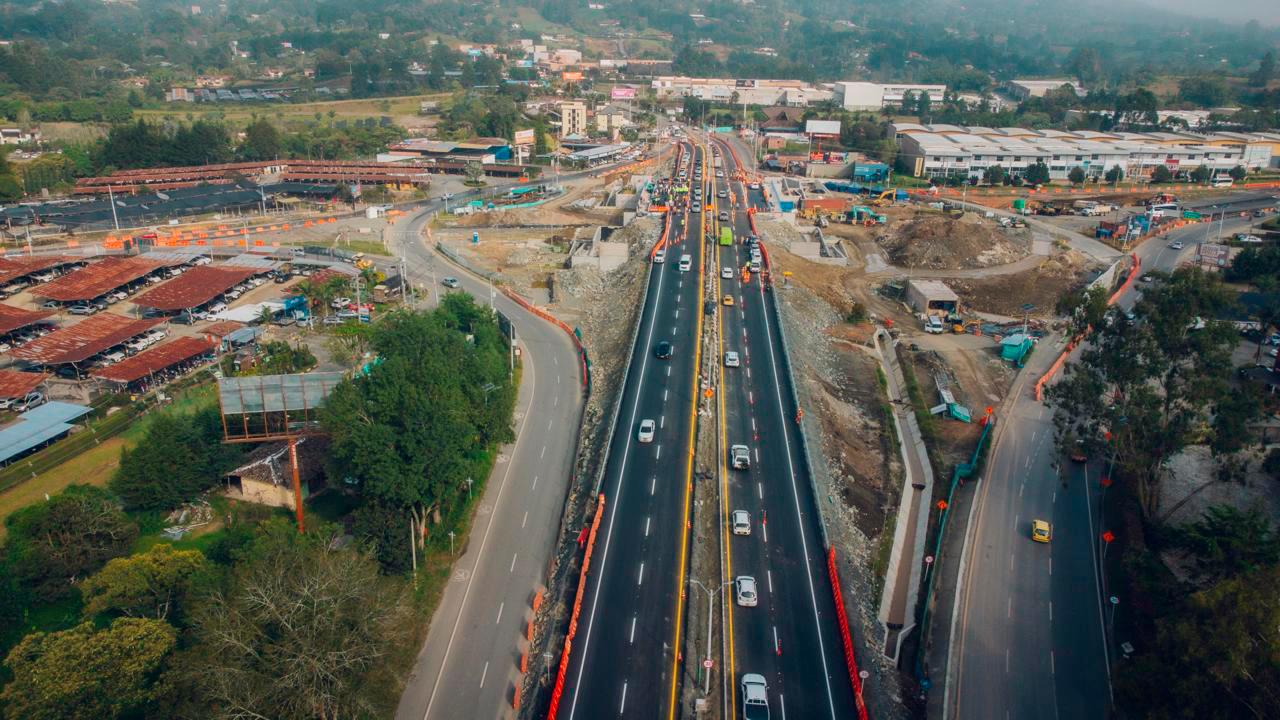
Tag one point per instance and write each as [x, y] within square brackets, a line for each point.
[726, 235]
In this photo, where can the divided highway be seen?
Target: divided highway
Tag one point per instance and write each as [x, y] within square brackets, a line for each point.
[790, 637]
[625, 659]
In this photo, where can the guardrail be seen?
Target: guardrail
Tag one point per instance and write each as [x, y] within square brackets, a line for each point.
[557, 690]
[842, 619]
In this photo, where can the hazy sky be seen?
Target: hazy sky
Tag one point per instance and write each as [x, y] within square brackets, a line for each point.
[1266, 12]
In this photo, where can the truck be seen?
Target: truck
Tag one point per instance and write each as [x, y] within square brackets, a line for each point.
[755, 697]
[726, 235]
[740, 457]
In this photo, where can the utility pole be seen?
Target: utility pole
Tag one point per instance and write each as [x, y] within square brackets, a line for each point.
[111, 197]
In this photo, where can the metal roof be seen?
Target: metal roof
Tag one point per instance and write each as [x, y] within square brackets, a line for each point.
[16, 384]
[75, 343]
[38, 426]
[99, 278]
[15, 318]
[12, 268]
[195, 287]
[155, 359]
[276, 393]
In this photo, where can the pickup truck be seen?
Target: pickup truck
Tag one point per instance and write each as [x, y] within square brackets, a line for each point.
[755, 697]
[740, 457]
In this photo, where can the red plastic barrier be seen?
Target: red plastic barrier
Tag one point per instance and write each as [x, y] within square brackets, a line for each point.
[850, 661]
[558, 690]
[519, 300]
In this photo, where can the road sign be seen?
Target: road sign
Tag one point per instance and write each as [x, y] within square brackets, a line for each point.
[708, 663]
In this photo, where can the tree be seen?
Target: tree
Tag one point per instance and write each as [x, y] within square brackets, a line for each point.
[908, 103]
[1205, 90]
[1076, 176]
[922, 104]
[69, 536]
[88, 674]
[1238, 173]
[320, 294]
[1161, 174]
[1151, 384]
[180, 457]
[1201, 174]
[1085, 64]
[1115, 174]
[994, 175]
[261, 141]
[301, 630]
[540, 144]
[1266, 71]
[1038, 174]
[1226, 543]
[1085, 308]
[151, 584]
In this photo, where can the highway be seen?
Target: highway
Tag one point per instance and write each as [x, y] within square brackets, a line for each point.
[468, 665]
[1029, 638]
[791, 636]
[625, 659]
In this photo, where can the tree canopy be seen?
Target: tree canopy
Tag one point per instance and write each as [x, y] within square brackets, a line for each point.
[152, 584]
[180, 457]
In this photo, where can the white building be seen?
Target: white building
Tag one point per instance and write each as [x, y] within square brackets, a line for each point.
[860, 95]
[1023, 89]
[573, 118]
[750, 92]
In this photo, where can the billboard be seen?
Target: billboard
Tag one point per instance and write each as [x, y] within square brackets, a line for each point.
[621, 92]
[822, 127]
[571, 76]
[523, 137]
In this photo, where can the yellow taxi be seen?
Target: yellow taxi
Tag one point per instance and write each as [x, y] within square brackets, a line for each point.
[728, 300]
[1041, 531]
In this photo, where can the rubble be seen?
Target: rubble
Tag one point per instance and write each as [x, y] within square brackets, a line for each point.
[939, 242]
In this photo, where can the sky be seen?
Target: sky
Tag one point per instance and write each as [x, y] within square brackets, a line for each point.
[1266, 12]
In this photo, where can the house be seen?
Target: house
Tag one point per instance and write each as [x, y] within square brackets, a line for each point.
[18, 136]
[267, 477]
[782, 119]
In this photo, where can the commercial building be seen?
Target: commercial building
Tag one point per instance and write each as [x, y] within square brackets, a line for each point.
[750, 92]
[573, 118]
[932, 297]
[1023, 89]
[938, 151]
[860, 95]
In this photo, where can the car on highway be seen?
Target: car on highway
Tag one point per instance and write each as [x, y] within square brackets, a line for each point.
[722, 194]
[1041, 531]
[755, 697]
[728, 300]
[744, 589]
[709, 306]
[741, 521]
[724, 216]
[740, 457]
[731, 359]
[726, 272]
[696, 207]
[1146, 278]
[1176, 245]
[662, 350]
[660, 257]
[686, 262]
[646, 431]
[449, 282]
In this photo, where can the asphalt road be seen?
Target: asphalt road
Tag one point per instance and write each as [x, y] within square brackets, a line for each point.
[790, 637]
[1029, 633]
[468, 665]
[625, 658]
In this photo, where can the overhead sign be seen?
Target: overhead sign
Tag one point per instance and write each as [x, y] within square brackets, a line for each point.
[621, 92]
[523, 137]
[822, 127]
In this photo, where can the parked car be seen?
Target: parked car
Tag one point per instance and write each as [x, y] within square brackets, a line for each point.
[217, 307]
[31, 401]
[82, 309]
[339, 302]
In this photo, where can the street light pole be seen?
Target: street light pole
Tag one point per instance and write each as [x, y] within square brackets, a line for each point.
[711, 596]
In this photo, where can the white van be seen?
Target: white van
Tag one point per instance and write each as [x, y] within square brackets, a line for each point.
[755, 264]
[686, 263]
[1164, 210]
[933, 325]
[1221, 182]
[660, 257]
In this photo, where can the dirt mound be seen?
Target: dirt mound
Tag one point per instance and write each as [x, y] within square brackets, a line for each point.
[938, 242]
[1006, 294]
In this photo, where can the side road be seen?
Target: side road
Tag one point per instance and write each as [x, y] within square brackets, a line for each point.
[470, 662]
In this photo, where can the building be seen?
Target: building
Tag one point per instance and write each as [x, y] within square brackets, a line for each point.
[859, 95]
[932, 297]
[726, 90]
[611, 119]
[938, 151]
[179, 94]
[18, 136]
[1023, 89]
[573, 118]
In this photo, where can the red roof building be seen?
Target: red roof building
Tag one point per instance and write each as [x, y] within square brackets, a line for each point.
[100, 278]
[15, 318]
[195, 287]
[79, 342]
[154, 360]
[15, 384]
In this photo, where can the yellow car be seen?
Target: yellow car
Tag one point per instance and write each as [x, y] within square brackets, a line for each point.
[1041, 531]
[728, 300]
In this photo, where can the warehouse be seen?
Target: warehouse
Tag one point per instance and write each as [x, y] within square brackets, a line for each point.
[77, 343]
[107, 275]
[157, 365]
[874, 96]
[1024, 89]
[932, 297]
[196, 287]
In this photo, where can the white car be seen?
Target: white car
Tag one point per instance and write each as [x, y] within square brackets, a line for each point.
[660, 257]
[449, 282]
[647, 428]
[1176, 245]
[731, 359]
[339, 302]
[745, 589]
[741, 522]
[217, 307]
[726, 272]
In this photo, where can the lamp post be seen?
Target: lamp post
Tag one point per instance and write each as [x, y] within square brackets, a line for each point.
[711, 596]
[451, 542]
[468, 490]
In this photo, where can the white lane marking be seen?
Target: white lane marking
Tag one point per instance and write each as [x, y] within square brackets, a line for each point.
[557, 379]
[1011, 563]
[535, 484]
[673, 331]
[1055, 497]
[653, 483]
[782, 703]
[776, 647]
[1052, 665]
[632, 640]
[748, 372]
[557, 400]
[1016, 517]
[513, 563]
[760, 491]
[751, 398]
[1050, 611]
[664, 396]
[484, 673]
[677, 313]
[500, 608]
[1009, 612]
[1006, 661]
[668, 371]
[646, 526]
[526, 519]
[550, 423]
[753, 424]
[623, 707]
[1033, 435]
[1028, 463]
[556, 359]
[662, 421]
[543, 453]
[769, 576]
[764, 530]
[1050, 565]
[658, 454]
[640, 577]
[757, 453]
[1022, 487]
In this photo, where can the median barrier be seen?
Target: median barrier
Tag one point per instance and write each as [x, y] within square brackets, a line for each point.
[557, 690]
[842, 619]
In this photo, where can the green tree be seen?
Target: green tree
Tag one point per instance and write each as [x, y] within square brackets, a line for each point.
[1266, 71]
[1151, 384]
[180, 457]
[1227, 543]
[88, 674]
[1085, 308]
[1037, 174]
[1161, 174]
[261, 141]
[301, 630]
[1076, 176]
[153, 584]
[1115, 174]
[68, 536]
[908, 103]
[994, 175]
[1205, 90]
[1085, 64]
[1201, 174]
[1238, 173]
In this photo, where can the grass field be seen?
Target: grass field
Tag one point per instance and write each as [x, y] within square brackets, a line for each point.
[402, 110]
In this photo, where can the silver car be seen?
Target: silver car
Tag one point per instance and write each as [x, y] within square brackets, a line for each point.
[731, 359]
[741, 521]
[647, 428]
[745, 590]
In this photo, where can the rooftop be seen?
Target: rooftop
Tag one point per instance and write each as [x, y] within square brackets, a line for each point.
[83, 340]
[99, 278]
[16, 267]
[934, 289]
[155, 359]
[16, 384]
[15, 318]
[38, 426]
[195, 287]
